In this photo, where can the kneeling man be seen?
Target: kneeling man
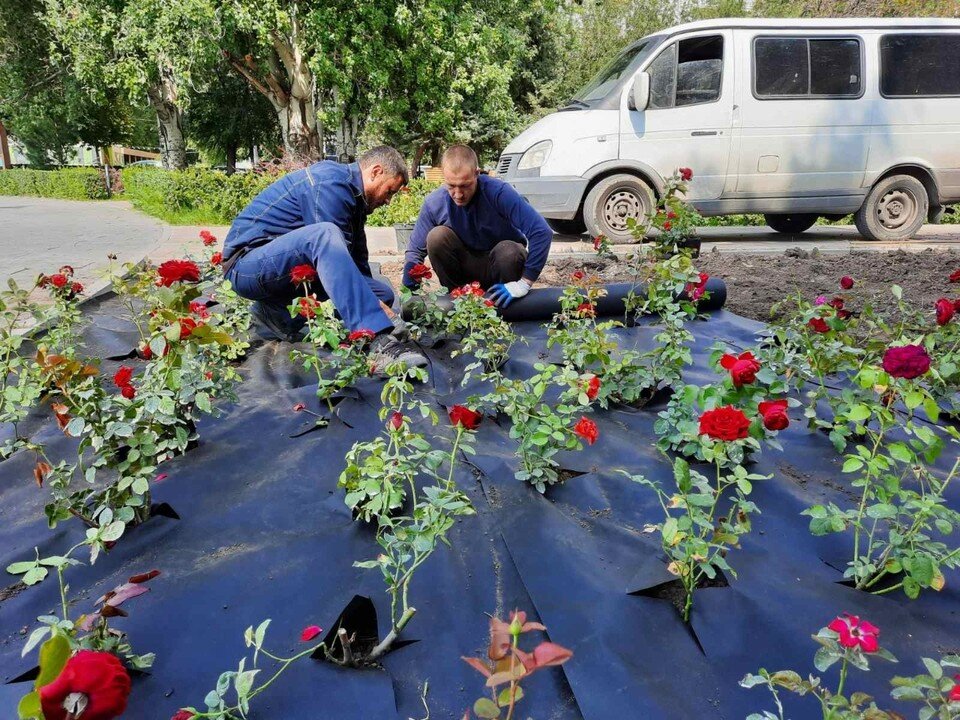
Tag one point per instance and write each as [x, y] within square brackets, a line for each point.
[478, 228]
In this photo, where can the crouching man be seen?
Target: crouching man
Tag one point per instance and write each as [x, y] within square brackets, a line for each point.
[316, 216]
[478, 228]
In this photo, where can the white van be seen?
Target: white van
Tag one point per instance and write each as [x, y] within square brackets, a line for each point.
[795, 119]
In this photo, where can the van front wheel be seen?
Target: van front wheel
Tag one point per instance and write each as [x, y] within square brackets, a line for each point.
[790, 224]
[612, 202]
[894, 209]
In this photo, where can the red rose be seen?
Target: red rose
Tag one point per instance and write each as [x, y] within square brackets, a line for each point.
[743, 368]
[593, 387]
[396, 420]
[183, 715]
[208, 238]
[187, 326]
[695, 290]
[598, 241]
[586, 309]
[471, 289]
[99, 676]
[302, 273]
[774, 413]
[955, 276]
[667, 225]
[216, 258]
[855, 632]
[58, 280]
[906, 361]
[818, 325]
[199, 309]
[173, 271]
[686, 174]
[310, 632]
[945, 310]
[846, 282]
[724, 423]
[128, 391]
[361, 335]
[671, 215]
[587, 429]
[461, 415]
[76, 288]
[578, 275]
[308, 307]
[123, 376]
[954, 694]
[420, 272]
[208, 374]
[145, 352]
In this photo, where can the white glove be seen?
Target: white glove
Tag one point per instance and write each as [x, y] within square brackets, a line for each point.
[505, 293]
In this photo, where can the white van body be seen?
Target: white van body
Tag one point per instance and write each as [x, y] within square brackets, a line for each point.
[795, 119]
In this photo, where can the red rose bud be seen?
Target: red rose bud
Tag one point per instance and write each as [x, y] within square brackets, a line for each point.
[593, 387]
[945, 310]
[469, 419]
[725, 423]
[302, 274]
[128, 391]
[123, 376]
[361, 335]
[686, 174]
[671, 215]
[173, 271]
[854, 632]
[587, 429]
[667, 225]
[58, 280]
[578, 275]
[846, 282]
[183, 715]
[955, 276]
[43, 280]
[216, 258]
[99, 676]
[818, 325]
[66, 270]
[774, 414]
[396, 420]
[906, 361]
[743, 368]
[310, 632]
[208, 238]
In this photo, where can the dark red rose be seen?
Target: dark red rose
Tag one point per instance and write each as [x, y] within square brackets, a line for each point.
[66, 270]
[187, 326]
[183, 715]
[837, 303]
[743, 368]
[846, 282]
[123, 376]
[906, 361]
[76, 288]
[461, 415]
[302, 273]
[578, 275]
[128, 391]
[855, 632]
[310, 632]
[686, 174]
[199, 309]
[774, 414]
[308, 307]
[396, 420]
[420, 272]
[955, 276]
[208, 238]
[671, 215]
[818, 325]
[586, 309]
[58, 280]
[216, 258]
[667, 225]
[945, 310]
[99, 676]
[593, 387]
[173, 271]
[587, 429]
[695, 290]
[361, 335]
[724, 423]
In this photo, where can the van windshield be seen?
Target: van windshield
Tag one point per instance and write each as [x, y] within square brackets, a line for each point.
[621, 67]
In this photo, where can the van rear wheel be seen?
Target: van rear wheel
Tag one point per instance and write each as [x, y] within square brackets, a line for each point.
[790, 224]
[894, 209]
[613, 201]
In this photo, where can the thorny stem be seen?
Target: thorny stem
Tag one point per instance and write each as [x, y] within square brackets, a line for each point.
[867, 485]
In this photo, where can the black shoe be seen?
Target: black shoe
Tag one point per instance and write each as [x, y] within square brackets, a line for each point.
[386, 349]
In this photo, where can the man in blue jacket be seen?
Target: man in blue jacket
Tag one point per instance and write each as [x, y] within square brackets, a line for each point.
[474, 228]
[316, 216]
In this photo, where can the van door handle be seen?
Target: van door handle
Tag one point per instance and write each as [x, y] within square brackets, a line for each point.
[700, 133]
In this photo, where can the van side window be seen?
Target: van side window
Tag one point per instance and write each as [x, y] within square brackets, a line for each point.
[687, 73]
[807, 67]
[919, 65]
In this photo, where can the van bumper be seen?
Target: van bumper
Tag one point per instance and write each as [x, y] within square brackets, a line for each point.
[553, 197]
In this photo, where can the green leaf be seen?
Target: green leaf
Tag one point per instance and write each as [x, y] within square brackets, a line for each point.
[485, 708]
[504, 698]
[34, 638]
[899, 451]
[29, 707]
[19, 568]
[852, 464]
[933, 667]
[54, 654]
[824, 658]
[112, 532]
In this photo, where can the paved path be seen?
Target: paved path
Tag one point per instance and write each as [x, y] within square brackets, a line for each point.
[39, 235]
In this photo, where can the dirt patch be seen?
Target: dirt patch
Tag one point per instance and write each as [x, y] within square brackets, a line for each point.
[12, 591]
[757, 282]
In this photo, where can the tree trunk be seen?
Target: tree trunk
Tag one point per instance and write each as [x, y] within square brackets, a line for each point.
[163, 98]
[417, 159]
[231, 159]
[4, 148]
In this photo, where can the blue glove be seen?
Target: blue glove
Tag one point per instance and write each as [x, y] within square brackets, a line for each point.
[505, 293]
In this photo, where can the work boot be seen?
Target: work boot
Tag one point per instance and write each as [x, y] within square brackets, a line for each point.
[387, 349]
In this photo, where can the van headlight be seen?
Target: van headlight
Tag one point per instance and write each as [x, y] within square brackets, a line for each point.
[536, 156]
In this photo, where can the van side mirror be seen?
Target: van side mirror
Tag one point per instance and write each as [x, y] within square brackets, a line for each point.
[640, 93]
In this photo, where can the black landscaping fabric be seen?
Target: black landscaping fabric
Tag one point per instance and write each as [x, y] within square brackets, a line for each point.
[263, 533]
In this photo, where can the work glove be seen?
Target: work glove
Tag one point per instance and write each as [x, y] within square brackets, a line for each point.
[503, 294]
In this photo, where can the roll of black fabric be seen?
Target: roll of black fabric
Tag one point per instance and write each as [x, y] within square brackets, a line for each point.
[543, 303]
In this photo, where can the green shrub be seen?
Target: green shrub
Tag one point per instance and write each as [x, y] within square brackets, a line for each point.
[73, 183]
[404, 207]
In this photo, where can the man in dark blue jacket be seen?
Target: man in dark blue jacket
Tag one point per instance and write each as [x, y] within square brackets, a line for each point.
[316, 216]
[474, 228]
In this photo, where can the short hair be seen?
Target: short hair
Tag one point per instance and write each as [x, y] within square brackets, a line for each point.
[460, 156]
[389, 159]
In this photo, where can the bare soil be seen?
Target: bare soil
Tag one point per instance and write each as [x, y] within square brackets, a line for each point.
[757, 282]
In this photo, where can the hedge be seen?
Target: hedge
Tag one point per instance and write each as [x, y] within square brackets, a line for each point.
[404, 207]
[73, 183]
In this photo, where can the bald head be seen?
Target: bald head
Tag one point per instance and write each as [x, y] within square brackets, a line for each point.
[460, 169]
